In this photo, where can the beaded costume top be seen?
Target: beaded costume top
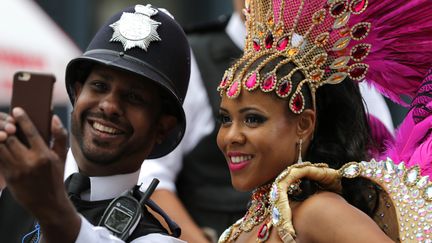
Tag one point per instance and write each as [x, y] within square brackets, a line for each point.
[404, 209]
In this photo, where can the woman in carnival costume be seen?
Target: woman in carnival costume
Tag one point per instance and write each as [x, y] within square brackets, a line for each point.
[294, 130]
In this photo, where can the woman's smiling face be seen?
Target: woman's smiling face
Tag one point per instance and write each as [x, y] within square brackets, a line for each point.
[258, 137]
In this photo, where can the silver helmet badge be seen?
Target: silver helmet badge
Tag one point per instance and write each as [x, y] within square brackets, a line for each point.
[136, 29]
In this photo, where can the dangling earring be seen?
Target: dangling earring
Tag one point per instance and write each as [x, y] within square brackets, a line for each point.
[300, 160]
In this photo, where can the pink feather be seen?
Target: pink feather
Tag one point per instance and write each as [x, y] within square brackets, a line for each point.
[413, 143]
[401, 45]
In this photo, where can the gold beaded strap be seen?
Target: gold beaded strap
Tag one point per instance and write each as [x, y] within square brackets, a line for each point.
[329, 179]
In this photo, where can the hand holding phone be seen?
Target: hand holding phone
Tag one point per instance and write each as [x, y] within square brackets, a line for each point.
[33, 92]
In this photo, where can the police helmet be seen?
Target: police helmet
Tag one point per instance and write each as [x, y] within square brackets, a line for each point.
[148, 42]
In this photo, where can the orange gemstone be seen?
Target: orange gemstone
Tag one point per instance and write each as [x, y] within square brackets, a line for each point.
[316, 75]
[341, 21]
[279, 30]
[270, 21]
[292, 51]
[319, 16]
[341, 44]
[344, 32]
[340, 62]
[322, 39]
[320, 60]
[336, 78]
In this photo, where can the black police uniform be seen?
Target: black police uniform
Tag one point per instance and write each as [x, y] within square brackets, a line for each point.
[15, 221]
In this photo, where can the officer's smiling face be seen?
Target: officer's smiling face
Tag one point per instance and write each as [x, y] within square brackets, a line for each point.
[116, 121]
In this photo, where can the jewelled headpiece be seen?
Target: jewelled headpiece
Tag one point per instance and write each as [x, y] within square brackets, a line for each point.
[327, 41]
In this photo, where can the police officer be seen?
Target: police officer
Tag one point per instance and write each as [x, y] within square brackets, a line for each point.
[127, 91]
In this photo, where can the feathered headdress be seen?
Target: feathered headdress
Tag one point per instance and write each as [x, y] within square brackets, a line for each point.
[413, 143]
[385, 42]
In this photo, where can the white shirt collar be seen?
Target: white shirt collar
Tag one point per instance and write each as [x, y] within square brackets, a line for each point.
[102, 187]
[236, 30]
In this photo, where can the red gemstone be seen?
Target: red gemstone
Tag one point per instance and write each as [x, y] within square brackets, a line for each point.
[223, 82]
[358, 6]
[338, 9]
[258, 207]
[233, 89]
[251, 81]
[269, 83]
[256, 45]
[358, 72]
[282, 44]
[284, 88]
[359, 52]
[269, 41]
[263, 232]
[360, 31]
[297, 104]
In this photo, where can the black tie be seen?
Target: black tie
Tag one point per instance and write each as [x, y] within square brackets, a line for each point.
[76, 184]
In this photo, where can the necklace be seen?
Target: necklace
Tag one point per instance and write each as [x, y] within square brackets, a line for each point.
[257, 212]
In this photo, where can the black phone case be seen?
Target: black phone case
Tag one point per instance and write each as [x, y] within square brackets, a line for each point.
[33, 92]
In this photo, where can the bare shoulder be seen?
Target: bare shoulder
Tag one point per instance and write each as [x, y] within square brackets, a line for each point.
[327, 217]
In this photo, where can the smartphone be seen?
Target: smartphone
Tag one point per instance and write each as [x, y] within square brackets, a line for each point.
[33, 92]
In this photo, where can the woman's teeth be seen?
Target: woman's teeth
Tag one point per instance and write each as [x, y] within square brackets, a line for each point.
[238, 159]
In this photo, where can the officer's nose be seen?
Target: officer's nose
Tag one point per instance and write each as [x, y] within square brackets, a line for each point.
[111, 105]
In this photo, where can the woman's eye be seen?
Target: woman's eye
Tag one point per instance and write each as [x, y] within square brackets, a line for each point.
[223, 119]
[254, 119]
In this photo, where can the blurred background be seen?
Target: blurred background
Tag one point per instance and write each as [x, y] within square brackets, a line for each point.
[81, 18]
[43, 35]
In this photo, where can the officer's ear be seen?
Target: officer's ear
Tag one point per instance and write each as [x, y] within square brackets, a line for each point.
[166, 124]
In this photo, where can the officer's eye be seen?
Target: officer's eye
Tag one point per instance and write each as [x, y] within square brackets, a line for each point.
[136, 98]
[99, 86]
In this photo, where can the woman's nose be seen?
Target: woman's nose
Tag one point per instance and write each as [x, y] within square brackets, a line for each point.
[235, 135]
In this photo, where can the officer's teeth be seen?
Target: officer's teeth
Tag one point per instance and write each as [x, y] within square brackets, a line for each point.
[105, 129]
[239, 159]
